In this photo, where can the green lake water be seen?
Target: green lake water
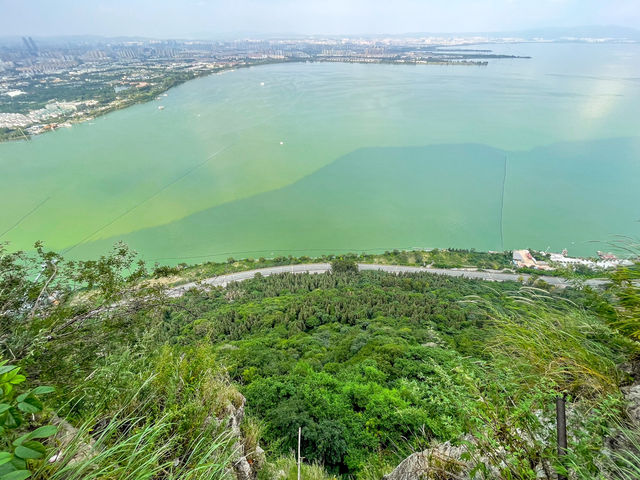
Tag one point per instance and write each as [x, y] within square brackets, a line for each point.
[315, 158]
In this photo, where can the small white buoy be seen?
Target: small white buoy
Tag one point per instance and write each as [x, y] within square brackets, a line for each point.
[281, 143]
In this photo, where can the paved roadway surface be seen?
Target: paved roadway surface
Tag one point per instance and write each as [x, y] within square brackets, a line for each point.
[492, 276]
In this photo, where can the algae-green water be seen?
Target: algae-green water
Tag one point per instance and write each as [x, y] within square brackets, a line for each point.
[308, 158]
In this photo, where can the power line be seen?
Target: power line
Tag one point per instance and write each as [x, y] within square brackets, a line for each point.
[155, 194]
[504, 183]
[24, 217]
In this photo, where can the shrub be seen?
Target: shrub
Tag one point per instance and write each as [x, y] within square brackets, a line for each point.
[343, 265]
[20, 445]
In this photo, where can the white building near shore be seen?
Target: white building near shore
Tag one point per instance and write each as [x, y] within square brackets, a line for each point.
[600, 264]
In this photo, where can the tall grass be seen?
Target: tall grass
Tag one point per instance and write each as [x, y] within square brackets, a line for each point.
[560, 347]
[286, 468]
[124, 449]
[545, 338]
[130, 448]
[541, 347]
[620, 460]
[625, 462]
[170, 424]
[626, 288]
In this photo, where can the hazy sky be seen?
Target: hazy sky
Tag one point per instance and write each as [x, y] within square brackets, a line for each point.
[200, 18]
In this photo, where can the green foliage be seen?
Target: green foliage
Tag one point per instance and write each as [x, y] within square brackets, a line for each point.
[570, 349]
[19, 444]
[553, 349]
[109, 273]
[626, 288]
[57, 317]
[371, 366]
[624, 462]
[165, 418]
[43, 296]
[372, 363]
[288, 465]
[135, 448]
[344, 265]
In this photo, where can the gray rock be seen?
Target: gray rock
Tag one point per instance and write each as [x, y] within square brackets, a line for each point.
[235, 415]
[242, 469]
[246, 465]
[445, 460]
[259, 458]
[441, 461]
[69, 437]
[632, 395]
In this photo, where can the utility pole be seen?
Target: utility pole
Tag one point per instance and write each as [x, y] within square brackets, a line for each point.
[299, 458]
[561, 426]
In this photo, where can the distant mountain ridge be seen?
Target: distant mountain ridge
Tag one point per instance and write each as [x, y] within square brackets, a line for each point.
[612, 32]
[593, 31]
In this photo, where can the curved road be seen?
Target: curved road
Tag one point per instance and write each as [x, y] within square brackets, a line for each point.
[491, 276]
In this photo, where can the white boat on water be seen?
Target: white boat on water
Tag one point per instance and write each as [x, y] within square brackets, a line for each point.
[161, 107]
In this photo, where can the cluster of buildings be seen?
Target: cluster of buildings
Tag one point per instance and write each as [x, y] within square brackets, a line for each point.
[44, 82]
[49, 112]
[525, 259]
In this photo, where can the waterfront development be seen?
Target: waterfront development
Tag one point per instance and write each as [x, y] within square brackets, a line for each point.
[310, 158]
[57, 82]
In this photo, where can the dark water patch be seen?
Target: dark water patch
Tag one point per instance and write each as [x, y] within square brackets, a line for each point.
[447, 195]
[568, 195]
[563, 195]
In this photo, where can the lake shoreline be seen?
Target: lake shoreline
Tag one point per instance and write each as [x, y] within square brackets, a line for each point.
[240, 162]
[153, 94]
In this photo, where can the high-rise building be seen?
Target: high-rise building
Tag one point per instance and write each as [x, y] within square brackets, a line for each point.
[30, 45]
[26, 44]
[33, 45]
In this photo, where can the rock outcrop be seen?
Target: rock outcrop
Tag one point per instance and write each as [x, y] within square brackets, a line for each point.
[632, 396]
[82, 446]
[446, 460]
[458, 462]
[248, 460]
[441, 461]
[632, 392]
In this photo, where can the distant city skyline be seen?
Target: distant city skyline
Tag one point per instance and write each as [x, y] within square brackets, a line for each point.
[219, 18]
